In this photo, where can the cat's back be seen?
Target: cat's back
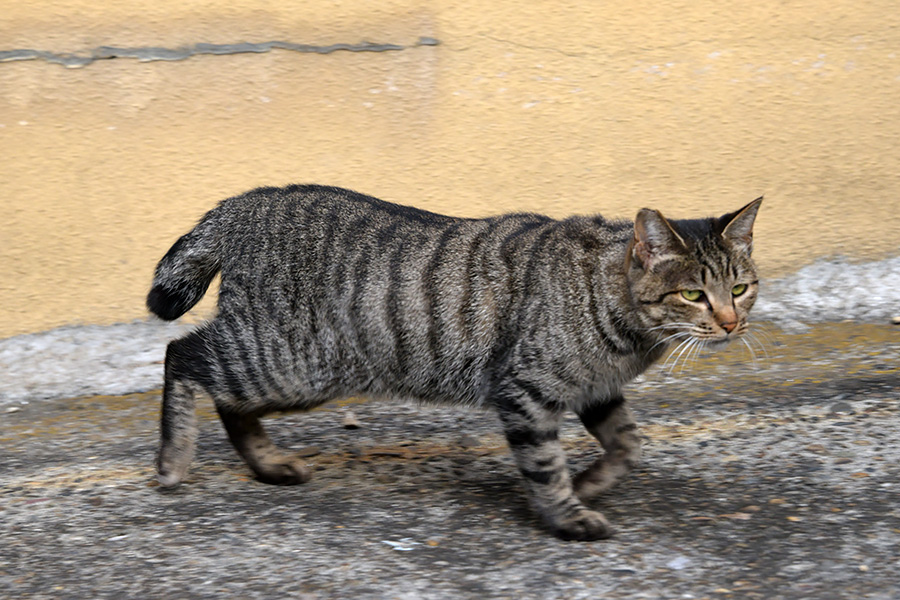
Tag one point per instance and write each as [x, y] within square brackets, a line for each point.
[276, 232]
[268, 210]
[340, 235]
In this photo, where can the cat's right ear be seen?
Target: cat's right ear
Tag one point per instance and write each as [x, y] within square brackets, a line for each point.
[655, 240]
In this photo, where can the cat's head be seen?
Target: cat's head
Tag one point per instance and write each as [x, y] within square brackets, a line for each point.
[694, 279]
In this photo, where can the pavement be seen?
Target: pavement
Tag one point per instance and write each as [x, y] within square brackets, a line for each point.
[774, 476]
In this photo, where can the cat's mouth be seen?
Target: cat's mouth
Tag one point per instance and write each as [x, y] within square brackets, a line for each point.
[692, 338]
[717, 339]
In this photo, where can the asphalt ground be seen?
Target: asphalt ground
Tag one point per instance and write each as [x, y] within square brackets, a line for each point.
[774, 477]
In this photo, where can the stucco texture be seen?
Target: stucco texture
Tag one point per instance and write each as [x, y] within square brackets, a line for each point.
[693, 108]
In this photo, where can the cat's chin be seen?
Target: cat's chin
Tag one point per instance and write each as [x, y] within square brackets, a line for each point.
[715, 345]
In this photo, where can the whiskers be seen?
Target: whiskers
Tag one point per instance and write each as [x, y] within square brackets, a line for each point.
[683, 330]
[691, 340]
[689, 344]
[688, 350]
[756, 341]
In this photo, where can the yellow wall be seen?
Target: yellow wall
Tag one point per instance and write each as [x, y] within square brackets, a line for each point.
[693, 107]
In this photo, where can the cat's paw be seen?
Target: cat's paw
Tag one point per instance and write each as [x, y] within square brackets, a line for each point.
[168, 479]
[288, 471]
[600, 476]
[170, 472]
[584, 526]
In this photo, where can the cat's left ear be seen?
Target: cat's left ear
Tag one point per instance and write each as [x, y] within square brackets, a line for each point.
[737, 227]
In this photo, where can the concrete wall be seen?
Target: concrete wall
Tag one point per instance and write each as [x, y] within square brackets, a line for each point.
[691, 107]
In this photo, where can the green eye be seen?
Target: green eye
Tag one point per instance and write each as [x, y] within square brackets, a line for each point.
[692, 295]
[739, 289]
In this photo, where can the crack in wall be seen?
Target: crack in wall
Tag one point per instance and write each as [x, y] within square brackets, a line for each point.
[151, 53]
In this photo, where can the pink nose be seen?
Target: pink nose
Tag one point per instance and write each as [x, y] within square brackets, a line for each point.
[728, 325]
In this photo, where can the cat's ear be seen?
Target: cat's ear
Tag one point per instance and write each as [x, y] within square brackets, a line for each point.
[655, 240]
[737, 227]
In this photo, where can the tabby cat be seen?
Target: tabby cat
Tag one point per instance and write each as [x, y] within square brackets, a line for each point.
[327, 293]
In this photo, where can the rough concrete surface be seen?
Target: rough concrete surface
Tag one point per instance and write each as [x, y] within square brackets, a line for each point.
[769, 479]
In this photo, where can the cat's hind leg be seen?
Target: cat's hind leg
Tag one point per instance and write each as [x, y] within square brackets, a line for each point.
[186, 369]
[270, 464]
[612, 423]
[189, 371]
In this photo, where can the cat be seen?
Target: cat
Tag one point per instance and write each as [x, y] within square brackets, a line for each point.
[327, 293]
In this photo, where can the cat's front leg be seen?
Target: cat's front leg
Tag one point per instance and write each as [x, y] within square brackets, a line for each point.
[611, 422]
[532, 431]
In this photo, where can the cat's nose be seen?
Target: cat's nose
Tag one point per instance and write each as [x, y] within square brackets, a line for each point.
[727, 318]
[728, 326]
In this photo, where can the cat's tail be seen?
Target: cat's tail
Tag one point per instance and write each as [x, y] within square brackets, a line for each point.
[187, 269]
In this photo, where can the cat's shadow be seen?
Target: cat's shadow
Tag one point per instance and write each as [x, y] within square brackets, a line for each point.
[483, 489]
[487, 485]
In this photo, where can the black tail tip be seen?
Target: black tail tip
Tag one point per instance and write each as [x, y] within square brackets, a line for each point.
[164, 305]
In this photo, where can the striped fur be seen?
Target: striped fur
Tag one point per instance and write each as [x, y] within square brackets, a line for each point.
[326, 293]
